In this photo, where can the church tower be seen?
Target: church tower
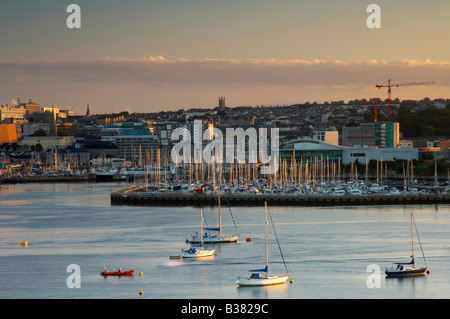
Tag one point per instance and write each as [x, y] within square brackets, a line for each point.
[88, 112]
[221, 103]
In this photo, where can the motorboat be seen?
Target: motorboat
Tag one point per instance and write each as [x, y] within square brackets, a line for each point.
[120, 272]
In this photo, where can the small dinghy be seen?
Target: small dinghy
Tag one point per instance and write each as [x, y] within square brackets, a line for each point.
[106, 272]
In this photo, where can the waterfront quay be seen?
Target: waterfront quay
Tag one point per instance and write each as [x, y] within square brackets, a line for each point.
[135, 196]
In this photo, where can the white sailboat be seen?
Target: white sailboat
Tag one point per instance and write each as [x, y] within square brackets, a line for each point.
[261, 277]
[217, 236]
[408, 269]
[196, 251]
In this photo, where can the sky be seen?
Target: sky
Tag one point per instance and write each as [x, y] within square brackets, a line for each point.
[166, 55]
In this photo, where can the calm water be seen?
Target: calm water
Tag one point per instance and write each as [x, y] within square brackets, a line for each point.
[327, 250]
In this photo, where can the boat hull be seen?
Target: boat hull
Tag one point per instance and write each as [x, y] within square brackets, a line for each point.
[117, 273]
[265, 281]
[197, 254]
[409, 272]
[215, 239]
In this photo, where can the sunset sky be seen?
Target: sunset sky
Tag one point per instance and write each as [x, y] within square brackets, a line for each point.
[157, 55]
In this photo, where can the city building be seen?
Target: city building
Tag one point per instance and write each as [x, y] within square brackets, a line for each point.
[125, 128]
[387, 134]
[30, 128]
[8, 134]
[308, 149]
[330, 137]
[12, 114]
[30, 108]
[48, 142]
[99, 148]
[381, 134]
[135, 148]
[75, 157]
[50, 109]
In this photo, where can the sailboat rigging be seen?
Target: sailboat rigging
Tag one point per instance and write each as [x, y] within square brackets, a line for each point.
[196, 251]
[261, 277]
[406, 269]
[218, 237]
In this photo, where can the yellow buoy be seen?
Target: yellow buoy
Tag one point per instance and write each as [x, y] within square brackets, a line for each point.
[291, 281]
[216, 254]
[140, 273]
[141, 292]
[24, 243]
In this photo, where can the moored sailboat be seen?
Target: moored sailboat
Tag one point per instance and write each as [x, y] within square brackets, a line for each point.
[261, 277]
[196, 251]
[407, 269]
[217, 236]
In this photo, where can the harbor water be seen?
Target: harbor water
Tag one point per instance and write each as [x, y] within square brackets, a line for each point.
[329, 251]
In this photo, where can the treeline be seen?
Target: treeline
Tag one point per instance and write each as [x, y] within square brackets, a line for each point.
[424, 123]
[399, 167]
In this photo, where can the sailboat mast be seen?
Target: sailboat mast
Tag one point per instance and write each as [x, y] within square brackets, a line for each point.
[412, 236]
[267, 239]
[220, 212]
[201, 226]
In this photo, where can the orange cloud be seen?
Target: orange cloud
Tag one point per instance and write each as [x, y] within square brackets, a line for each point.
[266, 79]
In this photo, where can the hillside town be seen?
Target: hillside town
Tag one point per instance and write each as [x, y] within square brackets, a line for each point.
[38, 140]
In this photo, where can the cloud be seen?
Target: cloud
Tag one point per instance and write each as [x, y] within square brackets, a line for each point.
[210, 72]
[160, 81]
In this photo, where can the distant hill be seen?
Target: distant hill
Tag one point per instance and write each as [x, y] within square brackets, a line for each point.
[427, 122]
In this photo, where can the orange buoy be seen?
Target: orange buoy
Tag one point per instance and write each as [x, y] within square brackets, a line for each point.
[248, 239]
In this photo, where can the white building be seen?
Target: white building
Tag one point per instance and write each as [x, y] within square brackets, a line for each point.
[311, 149]
[12, 113]
[331, 137]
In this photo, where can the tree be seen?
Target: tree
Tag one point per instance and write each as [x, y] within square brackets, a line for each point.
[37, 148]
[428, 131]
[428, 122]
[40, 132]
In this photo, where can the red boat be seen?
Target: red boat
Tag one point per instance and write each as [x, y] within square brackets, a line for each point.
[117, 273]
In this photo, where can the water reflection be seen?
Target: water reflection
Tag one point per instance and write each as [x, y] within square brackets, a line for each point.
[67, 224]
[264, 292]
[407, 287]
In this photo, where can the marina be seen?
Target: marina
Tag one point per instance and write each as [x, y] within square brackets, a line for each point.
[220, 157]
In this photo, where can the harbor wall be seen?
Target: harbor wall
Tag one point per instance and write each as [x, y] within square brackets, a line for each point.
[188, 199]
